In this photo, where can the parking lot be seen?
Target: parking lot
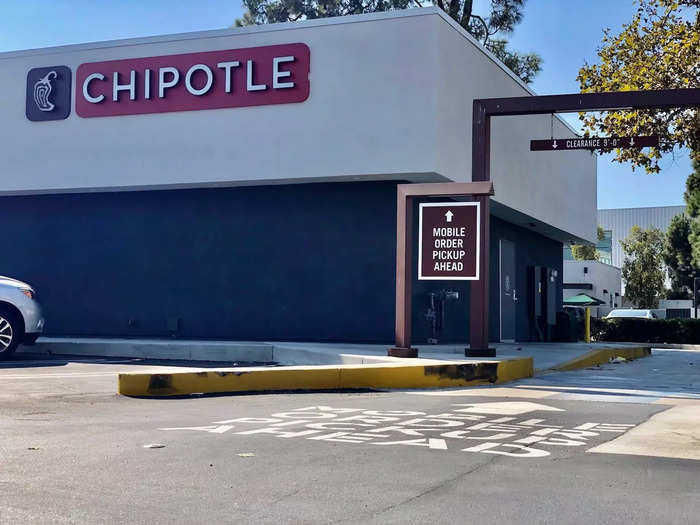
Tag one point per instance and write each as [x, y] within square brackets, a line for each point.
[534, 451]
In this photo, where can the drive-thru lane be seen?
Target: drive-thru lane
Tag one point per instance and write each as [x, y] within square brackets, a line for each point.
[523, 453]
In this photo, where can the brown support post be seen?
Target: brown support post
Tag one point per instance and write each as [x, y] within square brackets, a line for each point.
[405, 195]
[404, 275]
[479, 302]
[479, 310]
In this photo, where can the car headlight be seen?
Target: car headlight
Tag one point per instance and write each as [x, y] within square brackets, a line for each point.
[29, 293]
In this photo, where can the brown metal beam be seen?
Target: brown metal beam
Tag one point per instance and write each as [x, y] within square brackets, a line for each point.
[479, 296]
[479, 308]
[575, 102]
[404, 275]
[446, 189]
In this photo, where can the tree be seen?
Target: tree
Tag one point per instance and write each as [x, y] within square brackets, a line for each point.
[584, 252]
[502, 19]
[587, 252]
[642, 271]
[678, 258]
[658, 49]
[692, 203]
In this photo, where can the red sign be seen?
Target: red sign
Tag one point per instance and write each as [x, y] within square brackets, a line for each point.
[254, 76]
[448, 241]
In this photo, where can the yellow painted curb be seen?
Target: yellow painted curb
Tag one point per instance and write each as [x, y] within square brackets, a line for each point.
[603, 355]
[381, 375]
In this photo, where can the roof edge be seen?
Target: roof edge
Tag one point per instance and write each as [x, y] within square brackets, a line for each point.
[217, 33]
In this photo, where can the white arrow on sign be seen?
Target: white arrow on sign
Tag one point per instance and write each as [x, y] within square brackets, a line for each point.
[554, 146]
[632, 141]
[449, 216]
[508, 408]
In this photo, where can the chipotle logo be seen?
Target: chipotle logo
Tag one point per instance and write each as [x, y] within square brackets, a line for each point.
[231, 78]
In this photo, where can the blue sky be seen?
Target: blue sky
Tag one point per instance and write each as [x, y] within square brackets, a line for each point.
[564, 32]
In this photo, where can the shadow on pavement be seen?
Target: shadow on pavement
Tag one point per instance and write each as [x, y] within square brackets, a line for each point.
[260, 393]
[29, 360]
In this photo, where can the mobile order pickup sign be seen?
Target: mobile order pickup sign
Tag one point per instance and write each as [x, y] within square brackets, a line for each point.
[448, 241]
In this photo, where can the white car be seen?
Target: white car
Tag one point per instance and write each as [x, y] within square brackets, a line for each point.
[21, 317]
[621, 313]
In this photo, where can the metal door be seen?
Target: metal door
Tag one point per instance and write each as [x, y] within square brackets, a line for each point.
[508, 294]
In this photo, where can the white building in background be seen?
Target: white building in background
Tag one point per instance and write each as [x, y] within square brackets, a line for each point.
[596, 279]
[617, 223]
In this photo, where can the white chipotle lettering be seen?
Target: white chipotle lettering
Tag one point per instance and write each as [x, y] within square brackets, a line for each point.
[199, 80]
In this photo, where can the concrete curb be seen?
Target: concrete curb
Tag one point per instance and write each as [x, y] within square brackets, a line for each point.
[381, 375]
[603, 355]
[154, 349]
[672, 346]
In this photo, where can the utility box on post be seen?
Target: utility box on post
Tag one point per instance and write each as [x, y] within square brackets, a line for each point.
[536, 291]
[536, 296]
[550, 285]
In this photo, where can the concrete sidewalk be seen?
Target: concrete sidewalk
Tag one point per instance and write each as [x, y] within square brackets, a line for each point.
[319, 366]
[545, 356]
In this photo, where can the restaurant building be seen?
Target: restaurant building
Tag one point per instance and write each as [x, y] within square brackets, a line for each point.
[241, 183]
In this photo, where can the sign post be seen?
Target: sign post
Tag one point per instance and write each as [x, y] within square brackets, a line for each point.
[468, 222]
[483, 110]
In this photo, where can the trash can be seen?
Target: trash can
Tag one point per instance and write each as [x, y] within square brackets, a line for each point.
[564, 331]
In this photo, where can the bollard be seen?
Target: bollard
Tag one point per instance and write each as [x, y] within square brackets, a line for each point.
[587, 325]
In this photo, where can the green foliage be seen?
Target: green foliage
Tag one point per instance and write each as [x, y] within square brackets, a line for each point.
[273, 11]
[679, 331]
[678, 258]
[502, 19]
[692, 201]
[658, 49]
[584, 252]
[525, 66]
[692, 191]
[642, 270]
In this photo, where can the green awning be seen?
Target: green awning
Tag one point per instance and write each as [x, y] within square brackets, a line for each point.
[583, 299]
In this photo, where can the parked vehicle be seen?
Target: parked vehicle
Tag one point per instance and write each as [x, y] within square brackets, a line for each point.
[21, 317]
[621, 313]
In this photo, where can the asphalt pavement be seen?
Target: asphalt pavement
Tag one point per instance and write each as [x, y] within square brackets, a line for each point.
[574, 447]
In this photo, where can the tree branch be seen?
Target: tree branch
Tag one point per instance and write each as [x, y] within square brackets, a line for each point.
[466, 13]
[486, 28]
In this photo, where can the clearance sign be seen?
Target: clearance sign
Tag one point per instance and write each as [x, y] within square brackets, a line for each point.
[230, 78]
[448, 241]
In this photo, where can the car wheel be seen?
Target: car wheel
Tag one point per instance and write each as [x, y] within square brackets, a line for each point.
[10, 332]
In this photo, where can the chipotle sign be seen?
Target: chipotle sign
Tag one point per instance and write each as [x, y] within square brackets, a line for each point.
[448, 241]
[254, 76]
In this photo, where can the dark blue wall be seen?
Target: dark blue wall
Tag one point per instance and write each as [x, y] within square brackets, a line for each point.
[295, 262]
[531, 249]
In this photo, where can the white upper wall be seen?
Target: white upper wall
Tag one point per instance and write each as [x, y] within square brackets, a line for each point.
[390, 98]
[558, 188]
